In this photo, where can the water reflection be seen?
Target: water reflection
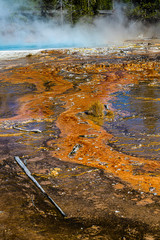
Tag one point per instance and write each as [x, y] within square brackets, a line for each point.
[7, 105]
[8, 97]
[137, 129]
[146, 104]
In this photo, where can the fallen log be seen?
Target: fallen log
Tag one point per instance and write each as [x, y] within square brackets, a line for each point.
[28, 173]
[26, 130]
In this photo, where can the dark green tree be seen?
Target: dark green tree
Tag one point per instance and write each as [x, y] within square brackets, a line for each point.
[76, 8]
[146, 10]
[101, 4]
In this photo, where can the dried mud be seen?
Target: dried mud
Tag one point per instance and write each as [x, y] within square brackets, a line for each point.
[71, 156]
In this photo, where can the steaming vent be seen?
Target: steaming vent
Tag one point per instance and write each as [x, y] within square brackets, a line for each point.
[23, 28]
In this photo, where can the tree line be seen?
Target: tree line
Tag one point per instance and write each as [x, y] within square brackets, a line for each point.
[73, 10]
[145, 10]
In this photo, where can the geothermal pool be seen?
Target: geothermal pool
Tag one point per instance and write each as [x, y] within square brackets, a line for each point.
[8, 52]
[18, 47]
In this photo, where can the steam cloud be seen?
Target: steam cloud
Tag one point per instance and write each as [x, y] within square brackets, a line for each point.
[18, 30]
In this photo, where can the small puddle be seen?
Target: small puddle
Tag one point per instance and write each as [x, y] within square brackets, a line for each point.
[136, 129]
[8, 97]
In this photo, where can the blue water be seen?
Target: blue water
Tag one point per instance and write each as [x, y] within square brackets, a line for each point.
[36, 47]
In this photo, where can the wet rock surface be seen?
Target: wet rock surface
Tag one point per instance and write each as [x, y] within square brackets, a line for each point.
[9, 94]
[96, 186]
[137, 123]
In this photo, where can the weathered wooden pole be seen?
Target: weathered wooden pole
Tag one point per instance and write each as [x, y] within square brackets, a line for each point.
[28, 173]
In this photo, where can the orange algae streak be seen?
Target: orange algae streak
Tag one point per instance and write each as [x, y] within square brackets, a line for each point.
[96, 153]
[37, 104]
[94, 149]
[77, 129]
